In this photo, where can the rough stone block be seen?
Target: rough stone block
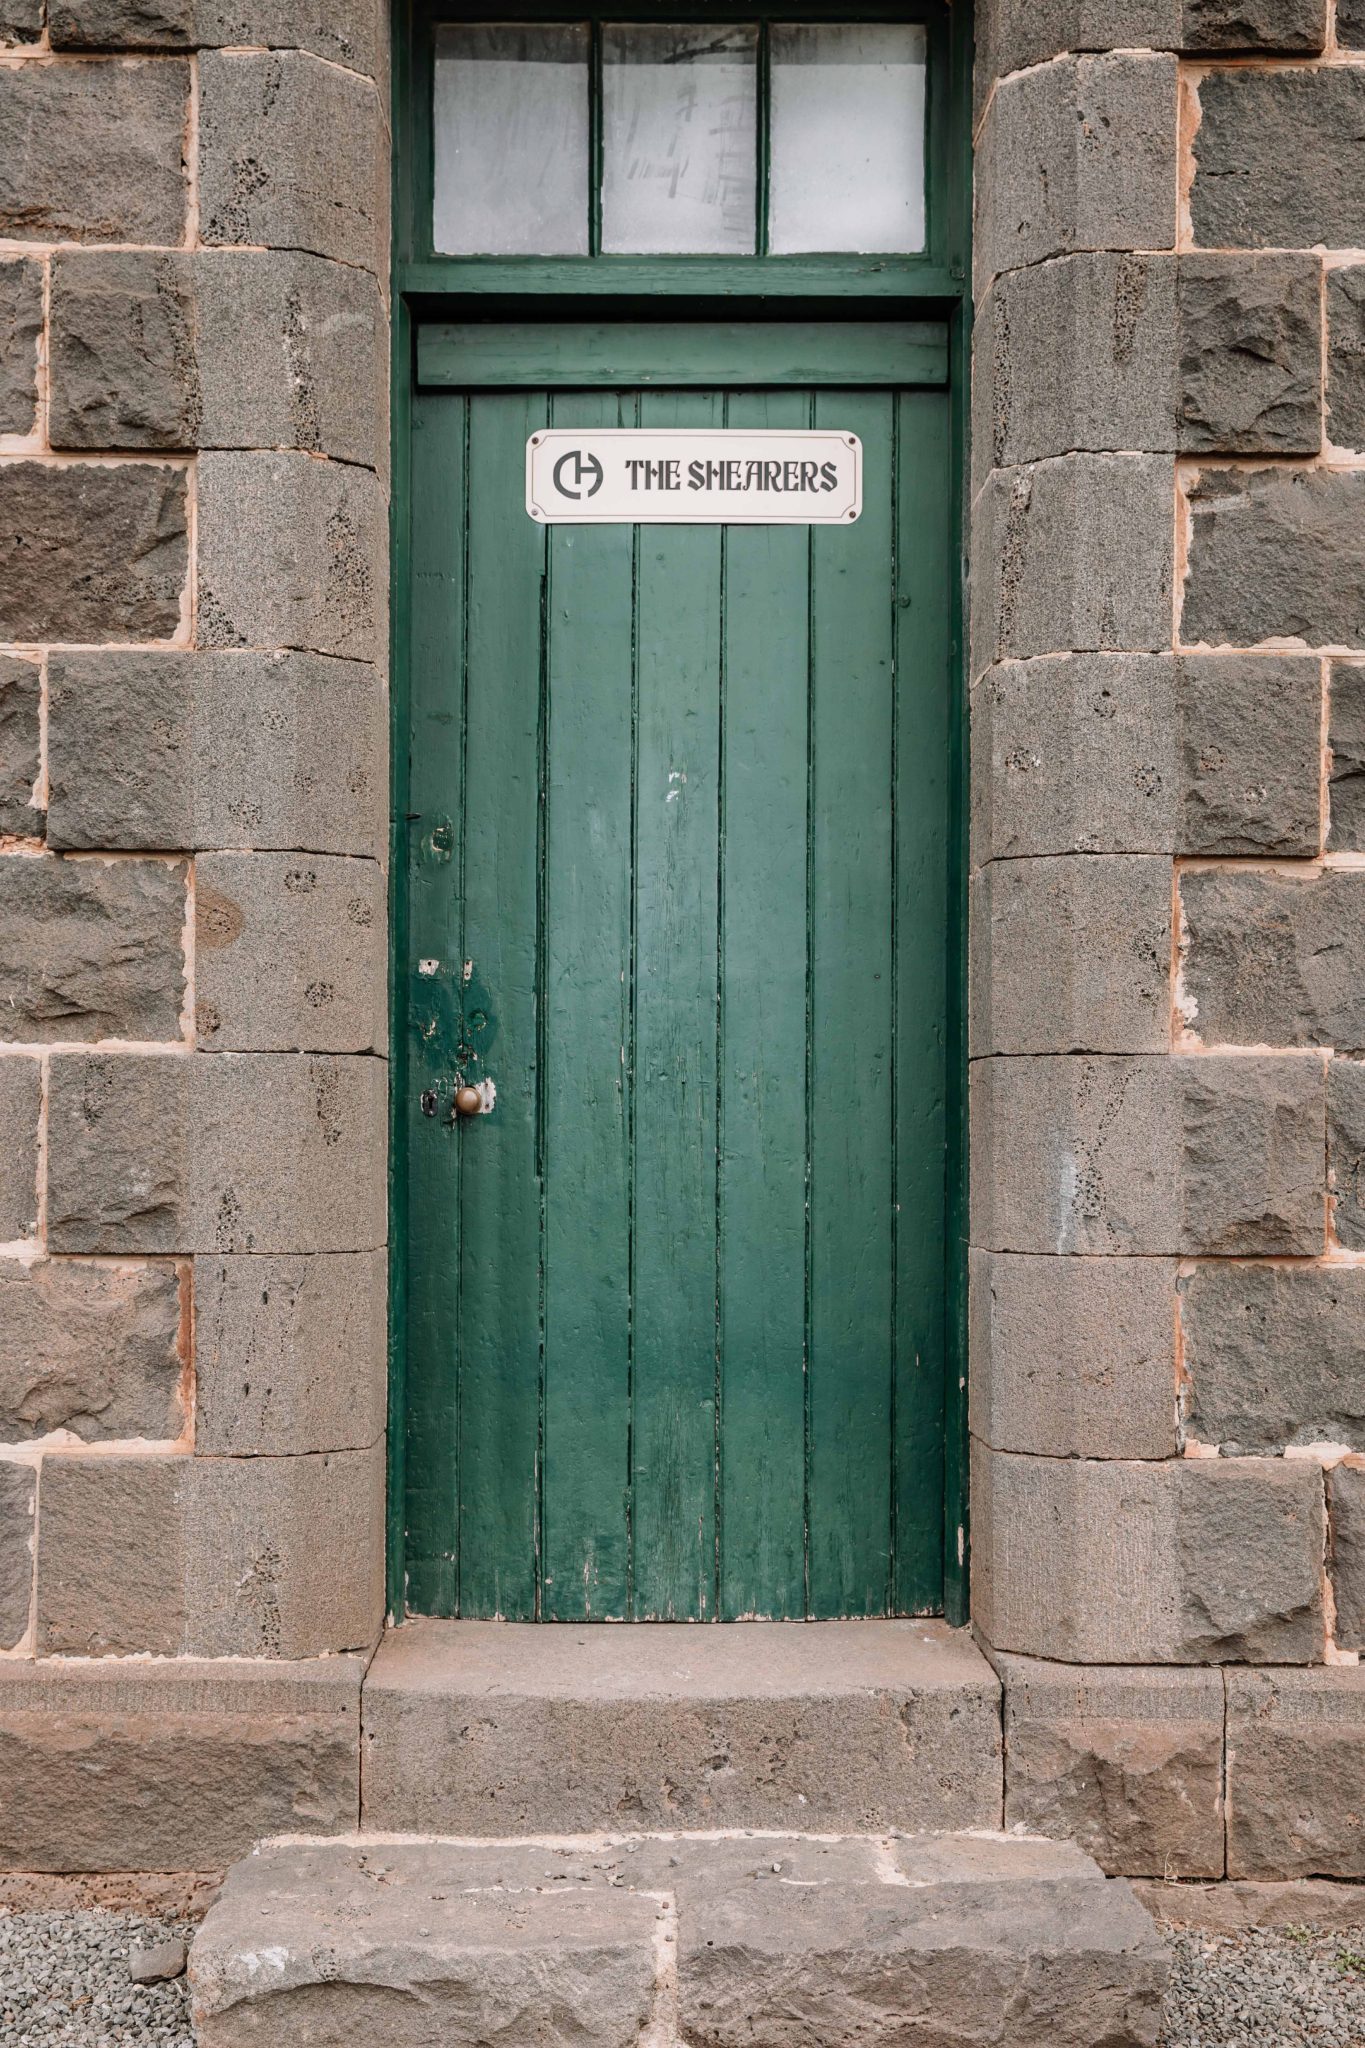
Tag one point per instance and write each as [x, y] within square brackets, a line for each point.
[1252, 1161]
[1239, 1905]
[1351, 24]
[1272, 1355]
[1250, 355]
[1071, 955]
[1111, 753]
[354, 33]
[1111, 320]
[1058, 1963]
[20, 694]
[285, 1556]
[1075, 754]
[1125, 1762]
[1219, 1154]
[91, 949]
[293, 352]
[292, 154]
[111, 1555]
[1275, 958]
[1346, 1520]
[1276, 554]
[121, 24]
[1188, 1561]
[290, 1355]
[216, 750]
[1346, 358]
[292, 553]
[18, 1486]
[123, 366]
[350, 33]
[92, 152]
[1016, 33]
[1078, 154]
[290, 953]
[1201, 353]
[1020, 33]
[1277, 158]
[490, 1728]
[21, 323]
[1346, 759]
[433, 1954]
[21, 21]
[1073, 1358]
[175, 1152]
[1285, 26]
[21, 1102]
[90, 1349]
[1346, 1150]
[1250, 730]
[220, 349]
[91, 551]
[172, 1766]
[212, 1557]
[1075, 554]
[1296, 1773]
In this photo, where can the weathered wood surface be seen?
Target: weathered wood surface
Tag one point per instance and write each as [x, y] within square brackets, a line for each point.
[677, 1305]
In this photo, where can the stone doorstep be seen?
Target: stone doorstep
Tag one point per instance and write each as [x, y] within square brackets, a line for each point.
[505, 1729]
[1232, 1905]
[769, 1940]
[112, 1764]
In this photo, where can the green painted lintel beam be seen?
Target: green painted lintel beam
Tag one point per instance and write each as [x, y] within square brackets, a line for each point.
[611, 353]
[754, 279]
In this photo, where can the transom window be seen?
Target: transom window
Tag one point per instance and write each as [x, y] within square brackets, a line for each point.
[647, 138]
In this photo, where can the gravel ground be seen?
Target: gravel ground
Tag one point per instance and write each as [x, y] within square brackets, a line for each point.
[1284, 1989]
[64, 1984]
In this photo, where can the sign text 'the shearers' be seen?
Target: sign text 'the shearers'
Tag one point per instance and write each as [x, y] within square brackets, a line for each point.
[685, 476]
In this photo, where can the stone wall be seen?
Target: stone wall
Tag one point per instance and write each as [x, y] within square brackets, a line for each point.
[193, 796]
[1168, 1032]
[1168, 1036]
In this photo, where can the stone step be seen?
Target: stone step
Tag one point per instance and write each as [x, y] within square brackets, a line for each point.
[649, 1941]
[496, 1728]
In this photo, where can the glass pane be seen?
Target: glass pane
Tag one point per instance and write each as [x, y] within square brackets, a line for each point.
[847, 138]
[679, 140]
[511, 134]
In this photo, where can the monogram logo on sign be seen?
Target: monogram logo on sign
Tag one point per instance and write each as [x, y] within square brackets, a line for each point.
[582, 467]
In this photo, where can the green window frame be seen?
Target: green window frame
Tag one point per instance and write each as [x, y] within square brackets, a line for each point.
[938, 270]
[431, 292]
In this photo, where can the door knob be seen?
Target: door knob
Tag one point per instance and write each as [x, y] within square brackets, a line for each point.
[468, 1101]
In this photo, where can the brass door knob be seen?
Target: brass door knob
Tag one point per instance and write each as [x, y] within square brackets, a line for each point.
[468, 1101]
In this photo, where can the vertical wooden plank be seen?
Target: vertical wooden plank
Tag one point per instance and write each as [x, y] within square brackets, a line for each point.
[430, 1019]
[586, 1041]
[400, 1106]
[762, 1188]
[677, 773]
[923, 720]
[851, 1174]
[499, 1186]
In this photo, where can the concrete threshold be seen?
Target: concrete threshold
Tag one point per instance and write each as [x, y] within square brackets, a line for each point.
[494, 1728]
[650, 1941]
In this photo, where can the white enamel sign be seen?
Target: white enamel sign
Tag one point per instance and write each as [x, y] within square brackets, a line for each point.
[683, 476]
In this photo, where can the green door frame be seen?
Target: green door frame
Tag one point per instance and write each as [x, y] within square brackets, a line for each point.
[428, 288]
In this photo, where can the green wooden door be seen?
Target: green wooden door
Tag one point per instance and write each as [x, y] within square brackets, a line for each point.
[679, 886]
